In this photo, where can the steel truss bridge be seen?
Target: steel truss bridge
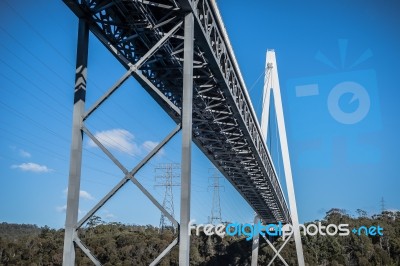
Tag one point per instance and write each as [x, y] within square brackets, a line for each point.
[179, 51]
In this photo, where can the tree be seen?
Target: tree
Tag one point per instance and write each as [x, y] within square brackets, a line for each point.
[119, 244]
[361, 213]
[94, 221]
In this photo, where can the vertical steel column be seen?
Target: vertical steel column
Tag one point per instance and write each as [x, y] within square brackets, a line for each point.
[256, 243]
[76, 145]
[184, 238]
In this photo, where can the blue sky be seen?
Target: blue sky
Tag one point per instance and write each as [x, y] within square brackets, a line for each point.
[331, 45]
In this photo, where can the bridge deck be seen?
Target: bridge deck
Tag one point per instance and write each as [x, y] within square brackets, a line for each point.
[225, 127]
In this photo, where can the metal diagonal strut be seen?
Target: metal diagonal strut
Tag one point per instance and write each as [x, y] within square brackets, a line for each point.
[162, 96]
[104, 149]
[165, 252]
[134, 70]
[157, 45]
[129, 176]
[86, 250]
[277, 252]
[108, 93]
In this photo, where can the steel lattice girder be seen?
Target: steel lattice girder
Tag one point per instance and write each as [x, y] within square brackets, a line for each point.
[221, 106]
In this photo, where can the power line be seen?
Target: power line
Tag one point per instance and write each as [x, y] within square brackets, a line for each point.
[61, 78]
[34, 84]
[37, 32]
[59, 53]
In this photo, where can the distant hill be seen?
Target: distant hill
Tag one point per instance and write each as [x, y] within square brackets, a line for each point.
[17, 231]
[119, 244]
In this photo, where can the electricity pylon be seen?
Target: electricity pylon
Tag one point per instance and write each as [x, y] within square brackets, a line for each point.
[215, 217]
[167, 180]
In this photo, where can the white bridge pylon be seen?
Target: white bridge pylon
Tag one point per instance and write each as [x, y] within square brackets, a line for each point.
[271, 85]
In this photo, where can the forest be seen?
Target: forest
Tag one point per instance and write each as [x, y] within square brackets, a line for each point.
[120, 244]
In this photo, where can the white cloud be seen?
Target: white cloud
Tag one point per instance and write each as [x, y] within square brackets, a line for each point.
[24, 153]
[21, 152]
[123, 141]
[83, 194]
[64, 209]
[117, 139]
[61, 208]
[32, 167]
[108, 215]
[150, 145]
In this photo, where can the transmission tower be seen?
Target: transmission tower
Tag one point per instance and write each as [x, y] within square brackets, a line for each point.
[215, 217]
[170, 172]
[382, 204]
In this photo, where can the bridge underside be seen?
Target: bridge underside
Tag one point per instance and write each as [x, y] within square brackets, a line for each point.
[224, 124]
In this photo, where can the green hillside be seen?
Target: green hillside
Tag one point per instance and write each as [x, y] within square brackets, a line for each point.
[119, 244]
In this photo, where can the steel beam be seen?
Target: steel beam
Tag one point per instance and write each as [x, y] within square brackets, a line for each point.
[76, 144]
[130, 176]
[276, 251]
[137, 74]
[165, 252]
[187, 104]
[87, 251]
[157, 45]
[108, 93]
[256, 244]
[104, 149]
